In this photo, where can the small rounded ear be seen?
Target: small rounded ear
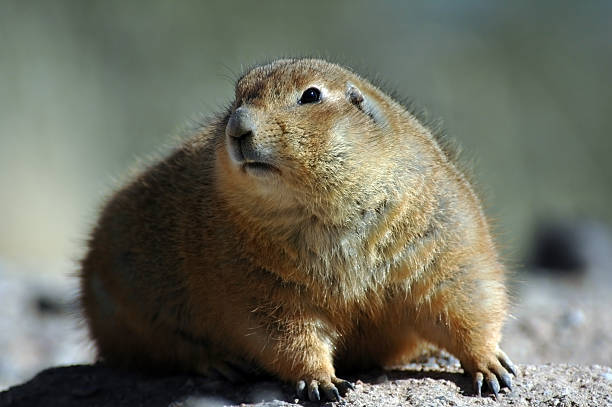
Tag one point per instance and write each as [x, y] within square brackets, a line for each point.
[366, 104]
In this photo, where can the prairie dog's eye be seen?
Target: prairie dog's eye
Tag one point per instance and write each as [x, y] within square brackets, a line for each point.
[310, 95]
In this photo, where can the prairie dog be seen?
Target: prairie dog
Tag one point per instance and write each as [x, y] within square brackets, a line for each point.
[314, 225]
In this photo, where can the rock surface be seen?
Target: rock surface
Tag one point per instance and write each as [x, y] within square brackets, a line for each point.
[86, 385]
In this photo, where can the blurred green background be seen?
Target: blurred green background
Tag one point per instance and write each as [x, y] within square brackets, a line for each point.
[87, 87]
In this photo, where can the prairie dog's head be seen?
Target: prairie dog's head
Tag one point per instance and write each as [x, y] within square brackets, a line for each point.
[312, 132]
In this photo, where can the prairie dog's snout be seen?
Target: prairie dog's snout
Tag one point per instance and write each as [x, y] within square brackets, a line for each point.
[241, 123]
[244, 146]
[240, 131]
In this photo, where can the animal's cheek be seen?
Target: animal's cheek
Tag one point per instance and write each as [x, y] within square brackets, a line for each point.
[300, 139]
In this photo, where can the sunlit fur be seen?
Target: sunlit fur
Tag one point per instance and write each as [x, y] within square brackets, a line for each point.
[367, 241]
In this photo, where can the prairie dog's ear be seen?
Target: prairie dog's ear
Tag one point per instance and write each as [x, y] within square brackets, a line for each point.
[365, 104]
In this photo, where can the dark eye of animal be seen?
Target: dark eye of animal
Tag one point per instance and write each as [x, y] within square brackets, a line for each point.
[310, 95]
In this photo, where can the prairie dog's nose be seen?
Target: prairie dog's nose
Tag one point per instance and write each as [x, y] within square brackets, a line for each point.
[241, 123]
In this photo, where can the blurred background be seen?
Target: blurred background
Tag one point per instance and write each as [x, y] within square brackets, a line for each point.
[524, 87]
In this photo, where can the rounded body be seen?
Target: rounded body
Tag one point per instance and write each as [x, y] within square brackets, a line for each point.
[315, 225]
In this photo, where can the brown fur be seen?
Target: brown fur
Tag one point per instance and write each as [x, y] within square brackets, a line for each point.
[363, 242]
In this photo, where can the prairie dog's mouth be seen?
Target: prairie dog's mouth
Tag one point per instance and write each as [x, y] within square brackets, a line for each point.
[248, 152]
[248, 158]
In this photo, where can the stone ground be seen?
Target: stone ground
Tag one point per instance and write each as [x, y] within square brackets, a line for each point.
[560, 334]
[558, 385]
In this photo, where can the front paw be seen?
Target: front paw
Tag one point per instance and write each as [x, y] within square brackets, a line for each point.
[323, 390]
[495, 368]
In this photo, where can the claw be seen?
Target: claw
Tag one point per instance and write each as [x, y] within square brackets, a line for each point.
[494, 386]
[507, 363]
[344, 386]
[513, 369]
[313, 391]
[478, 378]
[331, 392]
[300, 390]
[507, 380]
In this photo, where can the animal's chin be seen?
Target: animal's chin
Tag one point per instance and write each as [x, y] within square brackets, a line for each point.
[260, 169]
